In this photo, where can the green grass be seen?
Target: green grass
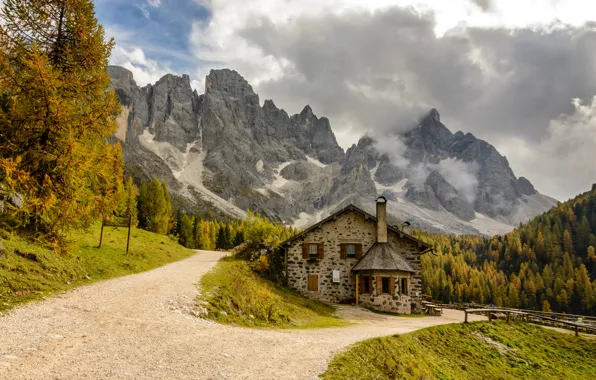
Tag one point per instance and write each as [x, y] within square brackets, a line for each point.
[479, 350]
[249, 300]
[29, 272]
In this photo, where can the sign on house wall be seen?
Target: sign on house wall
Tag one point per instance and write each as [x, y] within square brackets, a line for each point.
[336, 275]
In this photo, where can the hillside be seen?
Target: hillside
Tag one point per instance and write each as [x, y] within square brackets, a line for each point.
[547, 263]
[469, 351]
[29, 271]
[225, 149]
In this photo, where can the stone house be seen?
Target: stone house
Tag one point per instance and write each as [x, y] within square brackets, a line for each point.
[353, 256]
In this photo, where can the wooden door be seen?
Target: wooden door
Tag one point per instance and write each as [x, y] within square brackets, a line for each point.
[313, 283]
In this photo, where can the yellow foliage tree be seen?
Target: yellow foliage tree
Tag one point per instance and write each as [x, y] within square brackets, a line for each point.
[56, 115]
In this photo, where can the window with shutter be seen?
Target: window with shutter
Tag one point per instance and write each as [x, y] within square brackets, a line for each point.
[321, 250]
[343, 251]
[313, 283]
[379, 286]
[313, 250]
[358, 251]
[392, 285]
[351, 250]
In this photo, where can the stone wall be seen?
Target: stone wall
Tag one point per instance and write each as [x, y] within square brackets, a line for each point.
[349, 227]
[410, 251]
[393, 303]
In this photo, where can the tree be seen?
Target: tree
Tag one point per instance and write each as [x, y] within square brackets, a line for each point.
[127, 205]
[155, 207]
[546, 306]
[221, 239]
[198, 234]
[56, 116]
[186, 232]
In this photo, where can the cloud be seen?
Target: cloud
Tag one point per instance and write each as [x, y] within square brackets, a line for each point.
[154, 3]
[144, 70]
[144, 10]
[563, 160]
[485, 5]
[377, 70]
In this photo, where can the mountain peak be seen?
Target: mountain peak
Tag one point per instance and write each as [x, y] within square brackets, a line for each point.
[228, 82]
[120, 73]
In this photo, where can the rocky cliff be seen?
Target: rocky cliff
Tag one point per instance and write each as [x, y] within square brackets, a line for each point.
[222, 147]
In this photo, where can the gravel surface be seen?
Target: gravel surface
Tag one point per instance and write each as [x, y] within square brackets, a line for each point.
[142, 327]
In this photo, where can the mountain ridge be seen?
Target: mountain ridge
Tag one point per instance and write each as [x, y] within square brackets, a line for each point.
[225, 148]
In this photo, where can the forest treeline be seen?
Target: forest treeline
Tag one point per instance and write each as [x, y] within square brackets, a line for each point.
[547, 264]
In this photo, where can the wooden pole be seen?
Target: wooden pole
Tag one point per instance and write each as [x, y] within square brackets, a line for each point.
[357, 288]
[508, 314]
[128, 238]
[576, 333]
[490, 316]
[101, 233]
[466, 320]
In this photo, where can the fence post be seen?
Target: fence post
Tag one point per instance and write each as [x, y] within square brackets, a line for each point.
[466, 320]
[576, 333]
[101, 233]
[508, 314]
[490, 316]
[128, 238]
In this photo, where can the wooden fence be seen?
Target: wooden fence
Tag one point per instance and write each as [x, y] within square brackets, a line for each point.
[530, 317]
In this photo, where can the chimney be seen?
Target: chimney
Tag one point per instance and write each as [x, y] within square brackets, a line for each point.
[381, 220]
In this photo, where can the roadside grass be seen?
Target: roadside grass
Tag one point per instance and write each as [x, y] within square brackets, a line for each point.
[479, 350]
[233, 293]
[30, 272]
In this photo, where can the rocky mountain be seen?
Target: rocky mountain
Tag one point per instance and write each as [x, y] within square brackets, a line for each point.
[223, 148]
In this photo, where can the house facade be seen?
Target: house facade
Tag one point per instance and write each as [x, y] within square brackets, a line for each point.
[353, 256]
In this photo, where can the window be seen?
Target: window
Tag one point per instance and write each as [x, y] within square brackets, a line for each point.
[313, 250]
[351, 249]
[313, 282]
[366, 281]
[385, 284]
[403, 288]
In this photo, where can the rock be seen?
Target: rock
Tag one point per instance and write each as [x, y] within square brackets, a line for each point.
[224, 149]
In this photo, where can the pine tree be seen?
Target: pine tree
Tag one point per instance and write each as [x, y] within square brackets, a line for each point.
[198, 234]
[128, 202]
[56, 116]
[186, 232]
[221, 239]
[168, 221]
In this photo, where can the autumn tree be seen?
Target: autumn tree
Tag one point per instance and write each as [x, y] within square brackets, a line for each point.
[56, 115]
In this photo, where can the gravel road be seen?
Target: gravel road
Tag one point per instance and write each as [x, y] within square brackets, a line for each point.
[140, 327]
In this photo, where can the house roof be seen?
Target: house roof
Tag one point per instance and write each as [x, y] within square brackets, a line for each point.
[422, 245]
[383, 256]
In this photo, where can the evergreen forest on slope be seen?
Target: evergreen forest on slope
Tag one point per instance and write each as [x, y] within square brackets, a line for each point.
[547, 264]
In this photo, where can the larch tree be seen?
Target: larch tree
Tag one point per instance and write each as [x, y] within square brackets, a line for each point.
[56, 115]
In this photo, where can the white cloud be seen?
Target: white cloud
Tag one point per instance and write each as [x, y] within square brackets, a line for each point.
[154, 3]
[562, 164]
[144, 10]
[145, 70]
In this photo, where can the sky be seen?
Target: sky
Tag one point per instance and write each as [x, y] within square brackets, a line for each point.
[520, 74]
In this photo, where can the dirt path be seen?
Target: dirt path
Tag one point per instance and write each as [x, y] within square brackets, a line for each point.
[140, 327]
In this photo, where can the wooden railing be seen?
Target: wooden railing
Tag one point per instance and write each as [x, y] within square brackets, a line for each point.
[532, 317]
[575, 318]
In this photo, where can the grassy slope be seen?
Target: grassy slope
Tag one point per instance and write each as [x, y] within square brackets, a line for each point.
[37, 272]
[232, 287]
[460, 351]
